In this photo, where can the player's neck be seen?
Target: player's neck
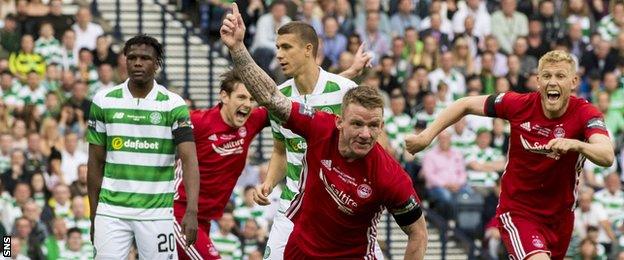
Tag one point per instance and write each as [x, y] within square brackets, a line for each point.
[306, 81]
[555, 114]
[140, 90]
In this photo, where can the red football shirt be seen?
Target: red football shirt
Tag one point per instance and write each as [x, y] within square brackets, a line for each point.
[221, 153]
[337, 211]
[535, 181]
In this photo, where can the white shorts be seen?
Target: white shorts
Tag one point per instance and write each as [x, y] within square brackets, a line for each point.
[113, 238]
[278, 237]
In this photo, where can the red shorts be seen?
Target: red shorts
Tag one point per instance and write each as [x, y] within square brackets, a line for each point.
[524, 237]
[203, 247]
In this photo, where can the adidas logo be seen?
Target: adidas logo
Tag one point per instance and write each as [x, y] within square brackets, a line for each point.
[327, 163]
[212, 137]
[526, 126]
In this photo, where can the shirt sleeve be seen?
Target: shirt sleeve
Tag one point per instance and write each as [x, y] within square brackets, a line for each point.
[400, 197]
[96, 131]
[594, 122]
[305, 120]
[181, 125]
[499, 105]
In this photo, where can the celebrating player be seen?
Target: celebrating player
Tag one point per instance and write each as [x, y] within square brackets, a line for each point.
[347, 178]
[222, 135]
[551, 135]
[134, 130]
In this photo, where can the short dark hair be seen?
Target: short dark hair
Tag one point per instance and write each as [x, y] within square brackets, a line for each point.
[366, 96]
[304, 31]
[228, 81]
[73, 230]
[147, 40]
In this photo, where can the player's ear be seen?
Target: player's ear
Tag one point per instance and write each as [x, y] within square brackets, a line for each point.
[339, 122]
[575, 81]
[223, 96]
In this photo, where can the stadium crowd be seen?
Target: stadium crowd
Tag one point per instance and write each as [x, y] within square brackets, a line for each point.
[427, 53]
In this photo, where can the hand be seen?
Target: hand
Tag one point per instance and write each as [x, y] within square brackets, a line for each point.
[261, 194]
[563, 145]
[79, 114]
[416, 143]
[189, 227]
[361, 60]
[233, 28]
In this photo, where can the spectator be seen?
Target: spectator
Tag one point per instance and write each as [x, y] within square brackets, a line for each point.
[577, 11]
[32, 94]
[508, 24]
[35, 160]
[76, 247]
[40, 194]
[59, 21]
[334, 42]
[528, 63]
[435, 30]
[29, 244]
[32, 212]
[72, 158]
[72, 120]
[514, 76]
[463, 138]
[445, 175]
[121, 72]
[6, 144]
[86, 70]
[413, 45]
[431, 54]
[23, 62]
[500, 137]
[103, 53]
[16, 173]
[6, 119]
[613, 118]
[263, 46]
[487, 72]
[404, 18]
[105, 79]
[86, 31]
[69, 52]
[16, 249]
[79, 217]
[587, 250]
[484, 163]
[307, 15]
[387, 75]
[48, 46]
[56, 241]
[52, 140]
[362, 17]
[435, 7]
[344, 16]
[397, 123]
[611, 197]
[374, 39]
[20, 142]
[616, 93]
[463, 60]
[593, 214]
[60, 201]
[79, 186]
[477, 10]
[253, 238]
[226, 243]
[249, 209]
[552, 22]
[10, 36]
[9, 89]
[68, 79]
[610, 25]
[402, 68]
[52, 81]
[601, 59]
[6, 7]
[428, 113]
[451, 77]
[35, 8]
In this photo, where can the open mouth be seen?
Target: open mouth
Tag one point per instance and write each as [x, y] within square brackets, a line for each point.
[242, 113]
[553, 95]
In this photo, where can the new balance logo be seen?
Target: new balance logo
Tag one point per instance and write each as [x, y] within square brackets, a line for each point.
[327, 163]
[118, 115]
[526, 126]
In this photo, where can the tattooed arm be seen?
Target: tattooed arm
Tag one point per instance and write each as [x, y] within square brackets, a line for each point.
[259, 84]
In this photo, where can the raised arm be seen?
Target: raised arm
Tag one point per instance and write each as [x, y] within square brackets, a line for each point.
[361, 60]
[258, 83]
[463, 106]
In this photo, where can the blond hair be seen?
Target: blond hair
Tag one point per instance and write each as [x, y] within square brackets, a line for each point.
[557, 56]
[363, 95]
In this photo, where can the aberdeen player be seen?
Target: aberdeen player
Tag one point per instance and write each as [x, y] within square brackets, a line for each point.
[551, 135]
[222, 138]
[348, 179]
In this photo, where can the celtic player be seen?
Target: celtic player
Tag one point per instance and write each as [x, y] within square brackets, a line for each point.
[135, 129]
[297, 45]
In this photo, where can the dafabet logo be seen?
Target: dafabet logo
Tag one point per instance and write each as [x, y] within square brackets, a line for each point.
[118, 143]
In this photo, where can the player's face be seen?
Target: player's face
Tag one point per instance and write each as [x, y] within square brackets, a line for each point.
[359, 129]
[556, 81]
[292, 54]
[237, 105]
[141, 63]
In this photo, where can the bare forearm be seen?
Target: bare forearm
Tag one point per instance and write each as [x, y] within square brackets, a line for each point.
[190, 176]
[277, 166]
[446, 118]
[417, 243]
[95, 174]
[598, 153]
[259, 84]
